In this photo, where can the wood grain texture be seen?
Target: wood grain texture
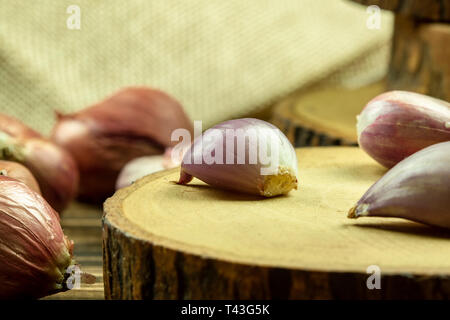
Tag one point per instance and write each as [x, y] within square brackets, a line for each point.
[427, 10]
[420, 58]
[166, 241]
[82, 224]
[323, 116]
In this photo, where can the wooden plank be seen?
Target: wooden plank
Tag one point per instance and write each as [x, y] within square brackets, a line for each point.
[82, 223]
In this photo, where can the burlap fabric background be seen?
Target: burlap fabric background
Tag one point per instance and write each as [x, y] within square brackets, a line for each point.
[221, 59]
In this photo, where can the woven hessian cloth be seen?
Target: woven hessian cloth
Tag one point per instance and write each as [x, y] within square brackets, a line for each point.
[220, 59]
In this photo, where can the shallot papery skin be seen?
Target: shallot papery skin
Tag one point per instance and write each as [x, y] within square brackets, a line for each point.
[396, 124]
[53, 167]
[34, 252]
[417, 188]
[103, 138]
[19, 172]
[234, 169]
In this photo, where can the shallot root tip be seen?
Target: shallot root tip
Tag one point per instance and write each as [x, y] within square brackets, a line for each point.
[74, 270]
[352, 213]
[359, 210]
[185, 178]
[70, 244]
[278, 184]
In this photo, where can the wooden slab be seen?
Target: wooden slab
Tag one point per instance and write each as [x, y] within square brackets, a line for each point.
[427, 10]
[323, 116]
[420, 59]
[167, 241]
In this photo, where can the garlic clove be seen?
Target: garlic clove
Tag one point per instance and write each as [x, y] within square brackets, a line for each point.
[103, 138]
[35, 253]
[417, 188]
[397, 124]
[244, 155]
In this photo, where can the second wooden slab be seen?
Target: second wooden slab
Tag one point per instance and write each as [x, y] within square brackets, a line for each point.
[166, 241]
[323, 116]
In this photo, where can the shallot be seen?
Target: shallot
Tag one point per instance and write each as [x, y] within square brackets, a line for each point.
[396, 124]
[103, 138]
[36, 256]
[417, 188]
[54, 169]
[244, 155]
[142, 166]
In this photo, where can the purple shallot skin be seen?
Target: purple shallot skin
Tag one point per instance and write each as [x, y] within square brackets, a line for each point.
[219, 160]
[34, 252]
[417, 189]
[396, 124]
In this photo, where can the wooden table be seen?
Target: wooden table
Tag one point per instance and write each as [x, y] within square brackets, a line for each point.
[82, 223]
